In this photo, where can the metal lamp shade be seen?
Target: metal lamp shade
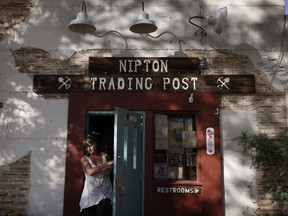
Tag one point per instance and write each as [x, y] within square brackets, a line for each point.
[82, 24]
[218, 20]
[143, 25]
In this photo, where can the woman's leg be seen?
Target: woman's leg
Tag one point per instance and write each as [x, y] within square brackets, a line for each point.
[102, 207]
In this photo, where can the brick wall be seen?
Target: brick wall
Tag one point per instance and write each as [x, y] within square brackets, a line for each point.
[14, 186]
[12, 13]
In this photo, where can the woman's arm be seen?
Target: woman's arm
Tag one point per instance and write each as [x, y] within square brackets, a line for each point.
[109, 168]
[93, 170]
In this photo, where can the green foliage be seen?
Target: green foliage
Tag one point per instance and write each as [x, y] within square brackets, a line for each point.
[271, 154]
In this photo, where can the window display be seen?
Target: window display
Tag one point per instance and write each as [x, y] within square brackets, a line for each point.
[175, 155]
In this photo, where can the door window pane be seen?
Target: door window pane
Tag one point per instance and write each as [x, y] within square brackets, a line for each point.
[125, 148]
[135, 145]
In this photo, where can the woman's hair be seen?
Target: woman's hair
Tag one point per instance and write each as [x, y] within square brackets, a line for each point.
[88, 141]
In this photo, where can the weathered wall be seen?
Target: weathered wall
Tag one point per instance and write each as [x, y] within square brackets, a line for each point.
[34, 39]
[15, 185]
[33, 130]
[12, 13]
[30, 123]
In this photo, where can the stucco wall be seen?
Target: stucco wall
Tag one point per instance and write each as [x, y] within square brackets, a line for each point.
[37, 41]
[30, 123]
[239, 177]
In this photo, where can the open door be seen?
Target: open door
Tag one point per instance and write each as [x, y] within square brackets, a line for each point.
[128, 176]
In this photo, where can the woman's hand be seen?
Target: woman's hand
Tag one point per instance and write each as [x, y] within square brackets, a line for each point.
[109, 168]
[110, 163]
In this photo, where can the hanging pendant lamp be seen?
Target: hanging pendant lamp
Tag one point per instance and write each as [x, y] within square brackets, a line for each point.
[82, 24]
[143, 25]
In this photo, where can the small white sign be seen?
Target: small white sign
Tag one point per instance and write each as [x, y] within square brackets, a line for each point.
[210, 141]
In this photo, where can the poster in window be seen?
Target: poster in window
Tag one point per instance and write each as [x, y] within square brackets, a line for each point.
[189, 124]
[191, 159]
[161, 143]
[175, 129]
[189, 139]
[160, 157]
[160, 170]
[175, 173]
[161, 131]
[174, 160]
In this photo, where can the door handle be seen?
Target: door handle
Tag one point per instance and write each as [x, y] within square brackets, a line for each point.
[118, 157]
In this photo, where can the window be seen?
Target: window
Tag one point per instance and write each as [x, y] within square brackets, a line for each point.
[175, 154]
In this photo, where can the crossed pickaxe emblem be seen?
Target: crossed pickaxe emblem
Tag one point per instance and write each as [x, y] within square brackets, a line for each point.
[222, 84]
[64, 83]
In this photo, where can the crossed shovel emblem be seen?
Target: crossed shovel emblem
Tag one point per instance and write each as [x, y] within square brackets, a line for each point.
[222, 84]
[66, 83]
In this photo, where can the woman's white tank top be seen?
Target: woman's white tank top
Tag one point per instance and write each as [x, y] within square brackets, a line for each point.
[96, 187]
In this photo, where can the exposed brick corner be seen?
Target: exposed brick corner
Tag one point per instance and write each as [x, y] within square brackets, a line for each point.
[14, 186]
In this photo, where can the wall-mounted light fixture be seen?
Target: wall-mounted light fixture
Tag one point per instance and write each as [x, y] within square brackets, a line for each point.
[168, 32]
[203, 62]
[178, 53]
[217, 20]
[85, 26]
[143, 25]
[122, 53]
[82, 24]
[111, 32]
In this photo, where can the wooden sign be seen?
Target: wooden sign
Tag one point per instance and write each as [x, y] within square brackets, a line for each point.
[148, 66]
[144, 75]
[181, 83]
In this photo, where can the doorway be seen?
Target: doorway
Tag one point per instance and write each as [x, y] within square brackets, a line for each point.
[100, 124]
[120, 135]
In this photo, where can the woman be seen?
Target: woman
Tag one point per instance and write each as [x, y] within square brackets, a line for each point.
[97, 192]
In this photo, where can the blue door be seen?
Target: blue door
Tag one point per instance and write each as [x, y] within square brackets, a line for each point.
[128, 178]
